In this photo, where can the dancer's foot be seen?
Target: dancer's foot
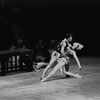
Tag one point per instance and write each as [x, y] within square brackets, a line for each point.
[43, 79]
[80, 69]
[77, 75]
[35, 68]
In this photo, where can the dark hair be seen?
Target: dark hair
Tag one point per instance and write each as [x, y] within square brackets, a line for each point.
[69, 35]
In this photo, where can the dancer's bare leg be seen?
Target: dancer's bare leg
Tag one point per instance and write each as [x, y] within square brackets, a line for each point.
[76, 58]
[70, 73]
[53, 59]
[58, 66]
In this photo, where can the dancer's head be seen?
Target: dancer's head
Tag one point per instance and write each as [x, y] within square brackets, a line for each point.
[69, 37]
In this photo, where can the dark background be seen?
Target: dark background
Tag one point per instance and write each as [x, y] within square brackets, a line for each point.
[50, 19]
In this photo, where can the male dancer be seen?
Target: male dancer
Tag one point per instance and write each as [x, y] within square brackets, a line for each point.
[65, 44]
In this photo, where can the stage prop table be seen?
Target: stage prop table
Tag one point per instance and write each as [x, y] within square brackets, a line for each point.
[17, 59]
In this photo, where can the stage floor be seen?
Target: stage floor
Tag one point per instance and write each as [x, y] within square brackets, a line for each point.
[27, 85]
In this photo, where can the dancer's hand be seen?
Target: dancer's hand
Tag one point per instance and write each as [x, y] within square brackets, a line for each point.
[77, 46]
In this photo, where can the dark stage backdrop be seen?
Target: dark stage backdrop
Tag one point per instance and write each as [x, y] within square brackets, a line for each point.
[50, 19]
